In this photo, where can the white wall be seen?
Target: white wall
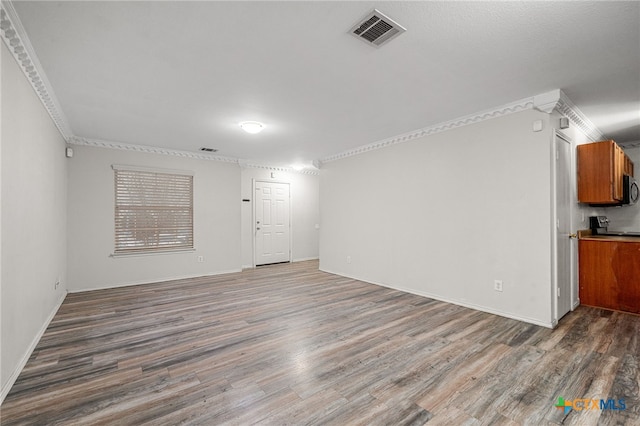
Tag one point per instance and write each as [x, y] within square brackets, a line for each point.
[305, 212]
[445, 215]
[34, 206]
[91, 221]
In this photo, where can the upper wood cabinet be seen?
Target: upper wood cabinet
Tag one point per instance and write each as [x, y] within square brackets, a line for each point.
[628, 166]
[601, 166]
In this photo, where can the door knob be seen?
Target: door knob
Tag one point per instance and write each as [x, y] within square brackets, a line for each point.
[573, 236]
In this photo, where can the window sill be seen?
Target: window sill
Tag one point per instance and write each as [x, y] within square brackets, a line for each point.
[152, 253]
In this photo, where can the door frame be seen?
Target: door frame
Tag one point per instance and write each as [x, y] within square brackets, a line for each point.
[554, 228]
[254, 181]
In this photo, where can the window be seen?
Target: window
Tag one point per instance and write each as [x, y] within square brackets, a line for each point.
[154, 211]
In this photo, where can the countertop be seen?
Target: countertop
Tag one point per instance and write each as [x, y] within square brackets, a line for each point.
[587, 236]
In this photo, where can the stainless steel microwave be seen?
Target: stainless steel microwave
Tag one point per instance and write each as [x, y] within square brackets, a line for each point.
[630, 191]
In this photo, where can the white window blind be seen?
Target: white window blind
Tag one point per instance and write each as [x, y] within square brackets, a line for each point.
[154, 211]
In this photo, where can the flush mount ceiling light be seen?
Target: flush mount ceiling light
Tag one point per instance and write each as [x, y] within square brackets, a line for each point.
[252, 127]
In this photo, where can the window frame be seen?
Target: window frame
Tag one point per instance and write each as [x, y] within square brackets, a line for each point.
[153, 211]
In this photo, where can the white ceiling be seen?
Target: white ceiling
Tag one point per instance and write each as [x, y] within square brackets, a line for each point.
[181, 75]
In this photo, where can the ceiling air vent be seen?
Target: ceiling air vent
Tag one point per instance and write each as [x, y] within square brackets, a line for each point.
[376, 29]
[208, 149]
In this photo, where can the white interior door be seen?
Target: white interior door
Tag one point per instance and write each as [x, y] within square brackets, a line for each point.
[564, 243]
[272, 223]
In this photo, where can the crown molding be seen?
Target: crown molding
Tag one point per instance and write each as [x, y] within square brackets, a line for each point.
[149, 149]
[517, 106]
[15, 38]
[99, 143]
[545, 102]
[558, 101]
[308, 172]
[247, 165]
[568, 109]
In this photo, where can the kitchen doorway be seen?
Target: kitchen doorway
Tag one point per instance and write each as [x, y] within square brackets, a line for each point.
[563, 225]
[272, 223]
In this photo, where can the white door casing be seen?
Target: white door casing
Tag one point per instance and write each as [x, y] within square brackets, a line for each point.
[272, 227]
[563, 235]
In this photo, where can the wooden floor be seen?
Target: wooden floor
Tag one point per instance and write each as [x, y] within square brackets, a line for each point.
[287, 344]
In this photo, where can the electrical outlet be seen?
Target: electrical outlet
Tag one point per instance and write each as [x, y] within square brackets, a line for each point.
[497, 285]
[200, 259]
[348, 259]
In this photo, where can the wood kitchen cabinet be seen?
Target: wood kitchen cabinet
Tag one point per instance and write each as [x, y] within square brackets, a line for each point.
[609, 273]
[601, 166]
[628, 166]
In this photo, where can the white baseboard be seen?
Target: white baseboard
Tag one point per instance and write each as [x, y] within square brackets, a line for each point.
[16, 372]
[453, 301]
[304, 259]
[160, 280]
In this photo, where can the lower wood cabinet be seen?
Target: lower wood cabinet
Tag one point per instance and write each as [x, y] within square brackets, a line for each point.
[609, 274]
